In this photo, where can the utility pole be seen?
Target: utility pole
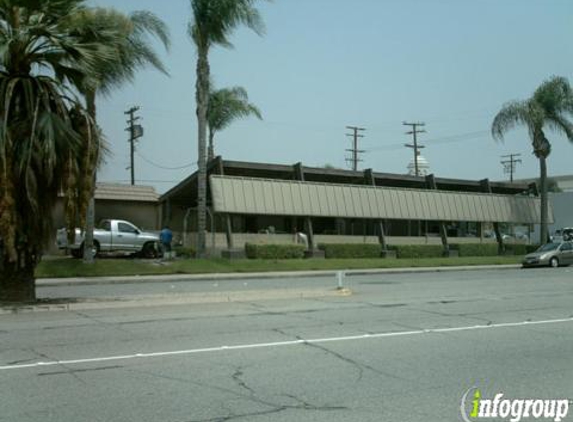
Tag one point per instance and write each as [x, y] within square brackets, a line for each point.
[135, 132]
[510, 164]
[354, 159]
[414, 132]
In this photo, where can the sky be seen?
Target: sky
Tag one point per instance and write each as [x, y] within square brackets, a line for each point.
[323, 65]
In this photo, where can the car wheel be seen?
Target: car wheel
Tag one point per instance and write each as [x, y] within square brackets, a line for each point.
[149, 251]
[76, 253]
[554, 262]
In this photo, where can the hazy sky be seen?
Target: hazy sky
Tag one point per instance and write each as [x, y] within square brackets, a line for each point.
[326, 64]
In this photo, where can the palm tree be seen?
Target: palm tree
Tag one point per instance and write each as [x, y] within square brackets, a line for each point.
[548, 108]
[225, 106]
[44, 131]
[212, 23]
[126, 35]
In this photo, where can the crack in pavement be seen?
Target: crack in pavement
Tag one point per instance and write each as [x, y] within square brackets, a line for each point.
[240, 415]
[359, 366]
[251, 396]
[70, 371]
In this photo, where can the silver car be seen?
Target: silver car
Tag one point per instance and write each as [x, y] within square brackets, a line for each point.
[552, 254]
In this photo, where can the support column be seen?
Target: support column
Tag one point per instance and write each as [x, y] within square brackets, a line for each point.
[431, 183]
[486, 187]
[219, 168]
[379, 224]
[299, 175]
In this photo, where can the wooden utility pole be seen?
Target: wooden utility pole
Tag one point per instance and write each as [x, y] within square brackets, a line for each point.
[414, 132]
[354, 159]
[510, 164]
[135, 132]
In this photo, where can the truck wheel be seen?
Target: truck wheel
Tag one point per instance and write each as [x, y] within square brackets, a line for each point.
[95, 250]
[149, 251]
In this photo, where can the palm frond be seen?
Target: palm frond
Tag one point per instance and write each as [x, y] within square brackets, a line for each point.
[511, 115]
[214, 20]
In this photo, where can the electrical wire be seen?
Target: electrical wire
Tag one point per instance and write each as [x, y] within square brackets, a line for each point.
[148, 161]
[462, 137]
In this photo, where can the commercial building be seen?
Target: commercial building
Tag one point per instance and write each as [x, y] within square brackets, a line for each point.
[268, 203]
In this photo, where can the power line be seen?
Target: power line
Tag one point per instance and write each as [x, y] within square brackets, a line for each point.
[509, 166]
[354, 159]
[148, 161]
[414, 132]
[462, 137]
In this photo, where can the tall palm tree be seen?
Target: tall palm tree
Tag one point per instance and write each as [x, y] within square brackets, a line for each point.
[225, 106]
[128, 37]
[211, 24]
[44, 131]
[549, 108]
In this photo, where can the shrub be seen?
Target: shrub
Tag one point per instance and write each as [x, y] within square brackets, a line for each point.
[477, 249]
[419, 251]
[183, 252]
[531, 248]
[270, 251]
[517, 249]
[350, 250]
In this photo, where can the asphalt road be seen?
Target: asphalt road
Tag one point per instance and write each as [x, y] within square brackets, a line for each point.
[403, 347]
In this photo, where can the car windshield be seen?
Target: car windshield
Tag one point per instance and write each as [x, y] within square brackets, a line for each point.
[548, 247]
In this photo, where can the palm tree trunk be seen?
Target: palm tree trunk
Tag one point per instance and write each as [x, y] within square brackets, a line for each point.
[544, 204]
[211, 150]
[90, 214]
[17, 283]
[202, 92]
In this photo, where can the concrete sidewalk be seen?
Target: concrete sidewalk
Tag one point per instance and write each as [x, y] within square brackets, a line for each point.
[86, 281]
[208, 297]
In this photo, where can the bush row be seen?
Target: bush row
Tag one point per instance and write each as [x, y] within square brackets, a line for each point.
[476, 249]
[372, 250]
[419, 251]
[350, 250]
[272, 251]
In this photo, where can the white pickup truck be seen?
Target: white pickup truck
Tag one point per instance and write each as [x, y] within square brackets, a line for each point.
[112, 236]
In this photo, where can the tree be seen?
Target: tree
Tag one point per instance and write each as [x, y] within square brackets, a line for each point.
[225, 106]
[45, 132]
[549, 108]
[211, 24]
[127, 37]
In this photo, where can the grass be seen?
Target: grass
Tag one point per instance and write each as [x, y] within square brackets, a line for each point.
[66, 267]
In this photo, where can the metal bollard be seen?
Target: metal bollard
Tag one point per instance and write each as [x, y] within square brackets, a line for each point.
[340, 277]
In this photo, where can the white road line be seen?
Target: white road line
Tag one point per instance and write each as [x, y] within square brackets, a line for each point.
[282, 344]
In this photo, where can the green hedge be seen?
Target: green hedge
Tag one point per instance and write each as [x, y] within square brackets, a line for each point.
[518, 249]
[477, 249]
[183, 252]
[531, 248]
[419, 251]
[271, 251]
[350, 250]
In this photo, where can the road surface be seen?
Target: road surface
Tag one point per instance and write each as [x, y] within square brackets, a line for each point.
[403, 347]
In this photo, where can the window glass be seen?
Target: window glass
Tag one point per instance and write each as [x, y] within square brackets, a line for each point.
[125, 228]
[105, 225]
[567, 247]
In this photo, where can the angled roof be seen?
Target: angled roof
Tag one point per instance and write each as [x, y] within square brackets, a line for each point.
[242, 195]
[123, 192]
[186, 191]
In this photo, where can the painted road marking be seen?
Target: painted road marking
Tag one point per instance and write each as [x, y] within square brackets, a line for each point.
[283, 343]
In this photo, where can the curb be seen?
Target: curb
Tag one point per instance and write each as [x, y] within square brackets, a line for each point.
[163, 300]
[90, 281]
